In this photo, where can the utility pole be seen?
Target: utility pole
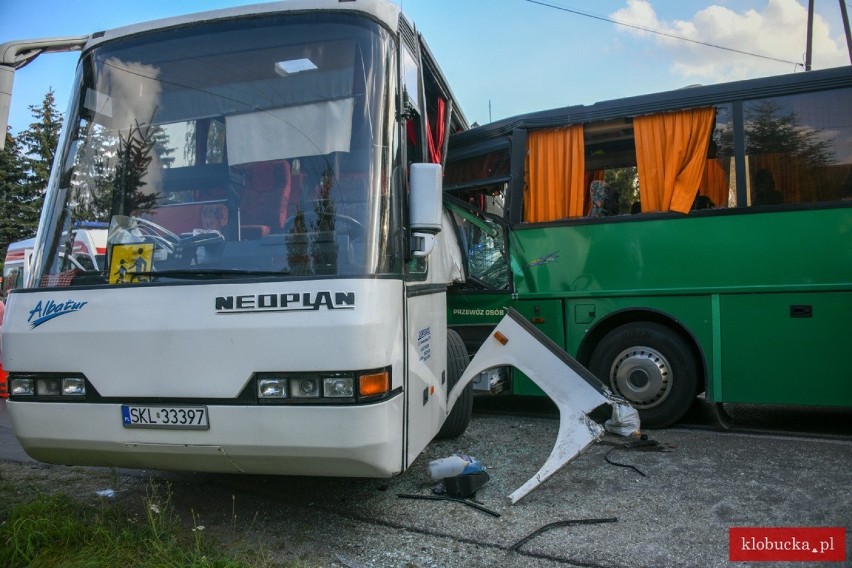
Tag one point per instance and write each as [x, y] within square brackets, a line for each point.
[846, 28]
[810, 38]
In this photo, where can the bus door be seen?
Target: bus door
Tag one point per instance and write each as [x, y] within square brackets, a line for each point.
[426, 336]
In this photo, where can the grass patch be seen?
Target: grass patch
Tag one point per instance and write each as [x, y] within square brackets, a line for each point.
[58, 531]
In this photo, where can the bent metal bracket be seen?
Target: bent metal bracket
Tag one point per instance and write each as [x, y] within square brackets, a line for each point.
[574, 389]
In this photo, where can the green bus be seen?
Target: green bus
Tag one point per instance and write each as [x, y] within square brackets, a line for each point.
[678, 243]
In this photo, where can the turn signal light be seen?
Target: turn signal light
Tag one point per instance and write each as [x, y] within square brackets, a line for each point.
[4, 385]
[374, 384]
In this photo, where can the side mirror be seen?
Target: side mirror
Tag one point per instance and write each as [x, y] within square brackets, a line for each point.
[16, 54]
[7, 78]
[426, 207]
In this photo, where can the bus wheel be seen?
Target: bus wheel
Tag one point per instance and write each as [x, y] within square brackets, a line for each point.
[652, 367]
[457, 361]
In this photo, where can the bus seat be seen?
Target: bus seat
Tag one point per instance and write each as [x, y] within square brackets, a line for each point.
[604, 199]
[263, 207]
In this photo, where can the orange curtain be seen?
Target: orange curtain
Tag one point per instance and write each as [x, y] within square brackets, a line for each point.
[715, 183]
[671, 154]
[435, 136]
[555, 168]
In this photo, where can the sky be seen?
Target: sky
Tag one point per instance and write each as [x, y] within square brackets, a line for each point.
[508, 57]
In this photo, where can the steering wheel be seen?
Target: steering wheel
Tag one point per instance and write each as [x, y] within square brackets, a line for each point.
[157, 233]
[354, 228]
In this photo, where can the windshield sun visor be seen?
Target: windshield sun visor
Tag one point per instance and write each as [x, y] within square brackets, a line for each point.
[303, 130]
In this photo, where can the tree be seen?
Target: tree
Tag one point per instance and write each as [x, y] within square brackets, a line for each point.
[18, 213]
[24, 172]
[40, 141]
[324, 255]
[625, 182]
[134, 157]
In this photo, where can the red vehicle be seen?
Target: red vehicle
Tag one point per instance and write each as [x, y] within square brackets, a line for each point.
[4, 390]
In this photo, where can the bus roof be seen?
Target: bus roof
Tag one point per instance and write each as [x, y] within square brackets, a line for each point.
[380, 10]
[684, 98]
[21, 245]
[383, 11]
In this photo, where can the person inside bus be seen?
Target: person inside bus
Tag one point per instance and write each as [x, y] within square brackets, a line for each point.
[702, 202]
[763, 189]
[604, 199]
[264, 203]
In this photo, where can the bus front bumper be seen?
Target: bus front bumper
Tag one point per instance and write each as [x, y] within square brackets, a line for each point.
[342, 440]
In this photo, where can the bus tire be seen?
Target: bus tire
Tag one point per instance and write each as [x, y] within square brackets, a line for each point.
[652, 367]
[457, 361]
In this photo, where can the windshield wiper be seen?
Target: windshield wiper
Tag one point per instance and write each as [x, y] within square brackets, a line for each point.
[210, 274]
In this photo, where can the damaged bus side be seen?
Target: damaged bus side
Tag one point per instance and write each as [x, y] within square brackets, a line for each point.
[682, 242]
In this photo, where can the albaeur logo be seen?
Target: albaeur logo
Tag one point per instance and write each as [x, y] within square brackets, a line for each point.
[47, 310]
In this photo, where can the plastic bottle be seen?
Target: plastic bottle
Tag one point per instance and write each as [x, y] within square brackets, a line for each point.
[453, 466]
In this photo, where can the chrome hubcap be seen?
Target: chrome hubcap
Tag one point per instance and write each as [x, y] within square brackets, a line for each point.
[641, 375]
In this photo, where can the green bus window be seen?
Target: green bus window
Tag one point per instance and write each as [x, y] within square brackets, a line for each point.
[797, 148]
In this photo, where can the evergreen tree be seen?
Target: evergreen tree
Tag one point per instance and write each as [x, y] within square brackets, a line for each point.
[776, 139]
[41, 139]
[18, 212]
[770, 132]
[24, 172]
[324, 256]
[91, 182]
[134, 156]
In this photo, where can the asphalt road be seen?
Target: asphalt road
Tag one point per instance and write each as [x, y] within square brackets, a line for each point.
[674, 507]
[803, 421]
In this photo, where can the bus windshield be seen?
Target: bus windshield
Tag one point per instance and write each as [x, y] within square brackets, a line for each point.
[249, 147]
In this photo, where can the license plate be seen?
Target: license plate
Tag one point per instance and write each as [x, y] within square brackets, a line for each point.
[153, 416]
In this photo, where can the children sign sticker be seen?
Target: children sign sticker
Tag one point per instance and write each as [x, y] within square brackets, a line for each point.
[130, 263]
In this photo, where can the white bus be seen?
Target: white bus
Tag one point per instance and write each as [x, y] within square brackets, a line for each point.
[16, 264]
[273, 293]
[88, 252]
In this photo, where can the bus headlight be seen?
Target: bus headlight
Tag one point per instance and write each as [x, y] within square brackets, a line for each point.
[317, 387]
[304, 388]
[338, 387]
[73, 386]
[272, 388]
[48, 387]
[22, 387]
